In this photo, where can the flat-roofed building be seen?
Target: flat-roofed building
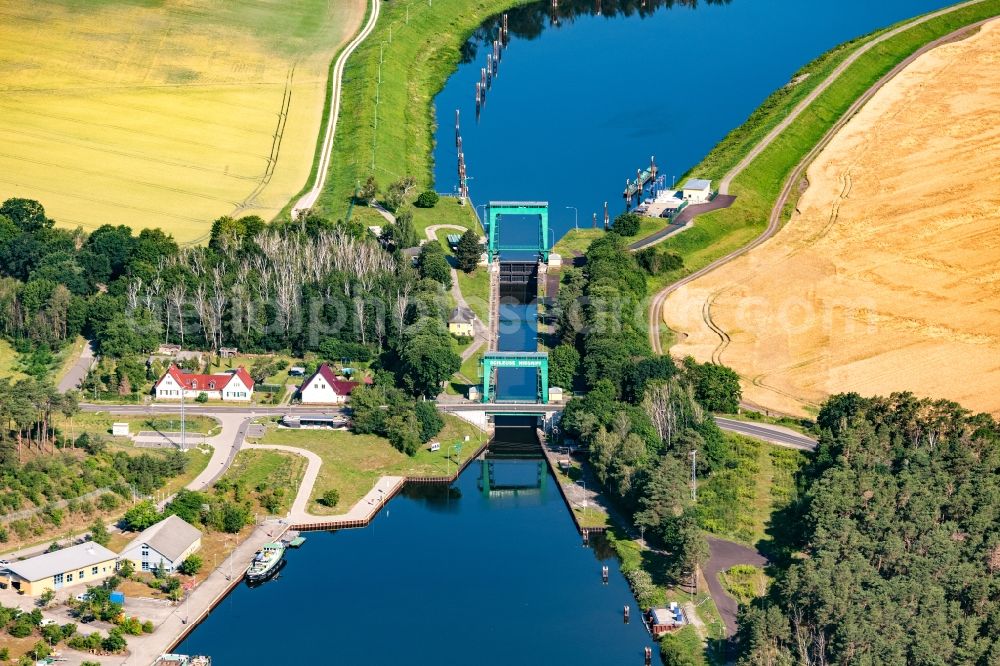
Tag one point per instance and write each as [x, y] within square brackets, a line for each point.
[697, 191]
[84, 563]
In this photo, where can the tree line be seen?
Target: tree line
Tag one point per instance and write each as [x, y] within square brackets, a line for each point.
[312, 285]
[642, 416]
[893, 554]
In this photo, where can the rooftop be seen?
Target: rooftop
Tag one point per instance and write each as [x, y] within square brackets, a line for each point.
[170, 537]
[461, 315]
[68, 559]
[698, 184]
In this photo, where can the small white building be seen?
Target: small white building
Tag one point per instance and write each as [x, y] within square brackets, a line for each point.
[236, 385]
[168, 542]
[697, 191]
[325, 388]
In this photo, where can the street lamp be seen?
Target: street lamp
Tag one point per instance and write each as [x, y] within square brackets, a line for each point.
[576, 217]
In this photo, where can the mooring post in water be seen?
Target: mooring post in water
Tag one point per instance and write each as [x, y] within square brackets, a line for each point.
[626, 613]
[595, 220]
[489, 69]
[458, 132]
[482, 77]
[479, 95]
[649, 655]
[607, 218]
[604, 574]
[586, 537]
[597, 7]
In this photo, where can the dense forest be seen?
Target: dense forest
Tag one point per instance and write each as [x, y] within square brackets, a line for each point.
[895, 549]
[308, 286]
[642, 415]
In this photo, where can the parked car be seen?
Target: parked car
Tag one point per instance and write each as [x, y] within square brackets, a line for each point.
[83, 596]
[47, 622]
[4, 564]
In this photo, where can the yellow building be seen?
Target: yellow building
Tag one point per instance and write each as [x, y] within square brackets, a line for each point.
[461, 322]
[82, 564]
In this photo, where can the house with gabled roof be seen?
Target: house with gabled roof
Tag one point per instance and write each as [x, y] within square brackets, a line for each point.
[163, 545]
[325, 388]
[235, 385]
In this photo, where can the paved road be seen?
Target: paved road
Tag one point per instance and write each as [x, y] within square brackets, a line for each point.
[774, 434]
[683, 221]
[209, 410]
[78, 372]
[323, 169]
[774, 222]
[722, 556]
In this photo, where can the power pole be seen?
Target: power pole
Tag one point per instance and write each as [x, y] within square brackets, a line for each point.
[694, 478]
[183, 424]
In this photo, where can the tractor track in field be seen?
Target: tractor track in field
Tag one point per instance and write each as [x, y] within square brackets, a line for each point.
[777, 210]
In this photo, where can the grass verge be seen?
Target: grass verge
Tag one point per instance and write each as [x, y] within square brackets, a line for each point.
[352, 463]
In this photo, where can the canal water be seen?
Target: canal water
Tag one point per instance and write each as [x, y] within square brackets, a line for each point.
[582, 100]
[443, 576]
[490, 570]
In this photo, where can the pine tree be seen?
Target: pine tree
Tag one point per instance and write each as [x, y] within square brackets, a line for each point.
[468, 251]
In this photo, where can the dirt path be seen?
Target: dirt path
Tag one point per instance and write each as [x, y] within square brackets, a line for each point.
[656, 314]
[309, 199]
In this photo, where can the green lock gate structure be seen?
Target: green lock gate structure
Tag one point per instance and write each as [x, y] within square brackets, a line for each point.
[495, 210]
[493, 360]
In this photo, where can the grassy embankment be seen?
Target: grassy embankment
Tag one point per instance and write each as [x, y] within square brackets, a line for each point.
[352, 463]
[738, 502]
[757, 188]
[256, 468]
[99, 423]
[417, 61]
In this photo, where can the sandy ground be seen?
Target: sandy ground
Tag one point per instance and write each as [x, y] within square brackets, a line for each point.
[887, 278]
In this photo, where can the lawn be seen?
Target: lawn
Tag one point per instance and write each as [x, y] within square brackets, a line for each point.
[738, 502]
[99, 423]
[8, 362]
[415, 64]
[352, 463]
[719, 233]
[147, 114]
[253, 469]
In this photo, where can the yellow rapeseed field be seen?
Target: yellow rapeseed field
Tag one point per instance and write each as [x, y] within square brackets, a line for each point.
[164, 113]
[887, 277]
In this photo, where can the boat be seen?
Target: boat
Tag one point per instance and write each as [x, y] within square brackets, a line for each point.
[265, 562]
[297, 541]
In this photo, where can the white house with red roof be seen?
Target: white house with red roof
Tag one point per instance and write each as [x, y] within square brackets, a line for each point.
[325, 388]
[235, 385]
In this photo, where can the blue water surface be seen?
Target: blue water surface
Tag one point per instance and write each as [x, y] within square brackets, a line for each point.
[581, 102]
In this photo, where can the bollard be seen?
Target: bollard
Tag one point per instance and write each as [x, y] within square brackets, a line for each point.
[604, 574]
[649, 655]
[626, 613]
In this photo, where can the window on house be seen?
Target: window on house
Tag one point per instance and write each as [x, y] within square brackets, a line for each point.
[80, 575]
[93, 572]
[145, 566]
[69, 578]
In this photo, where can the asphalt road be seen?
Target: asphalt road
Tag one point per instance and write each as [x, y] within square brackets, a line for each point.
[769, 433]
[724, 555]
[76, 374]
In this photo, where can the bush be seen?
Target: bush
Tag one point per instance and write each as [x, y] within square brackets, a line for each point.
[626, 224]
[330, 498]
[147, 627]
[126, 569]
[430, 419]
[202, 398]
[141, 516]
[107, 502]
[99, 533]
[427, 199]
[191, 565]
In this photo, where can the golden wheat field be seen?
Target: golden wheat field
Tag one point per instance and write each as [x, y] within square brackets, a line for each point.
[164, 113]
[887, 277]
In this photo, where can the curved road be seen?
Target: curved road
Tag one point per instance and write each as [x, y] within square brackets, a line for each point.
[774, 222]
[309, 199]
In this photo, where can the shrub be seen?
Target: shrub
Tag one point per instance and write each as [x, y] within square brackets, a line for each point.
[626, 224]
[107, 502]
[427, 199]
[191, 565]
[329, 498]
[202, 398]
[126, 569]
[147, 627]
